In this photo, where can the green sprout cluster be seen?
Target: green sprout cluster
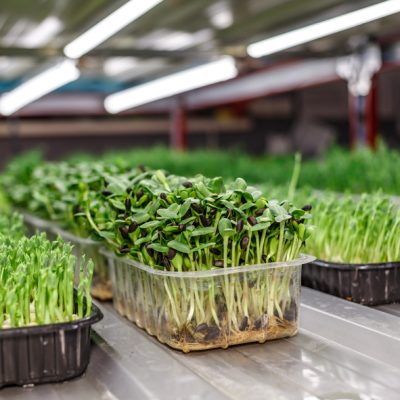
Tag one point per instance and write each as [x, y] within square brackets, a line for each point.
[37, 282]
[363, 230]
[176, 224]
[11, 225]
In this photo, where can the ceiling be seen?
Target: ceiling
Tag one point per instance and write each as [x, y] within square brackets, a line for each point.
[173, 35]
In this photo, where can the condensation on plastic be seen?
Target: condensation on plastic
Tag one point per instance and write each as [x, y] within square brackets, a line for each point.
[209, 309]
[46, 353]
[101, 284]
[368, 284]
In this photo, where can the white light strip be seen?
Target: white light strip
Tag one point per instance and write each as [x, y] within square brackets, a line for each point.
[38, 86]
[323, 29]
[109, 26]
[180, 82]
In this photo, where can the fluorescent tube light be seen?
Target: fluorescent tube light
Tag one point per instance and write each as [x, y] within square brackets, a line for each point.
[193, 78]
[109, 26]
[41, 34]
[322, 29]
[38, 86]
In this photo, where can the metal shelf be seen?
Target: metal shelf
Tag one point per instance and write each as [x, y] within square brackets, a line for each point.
[343, 351]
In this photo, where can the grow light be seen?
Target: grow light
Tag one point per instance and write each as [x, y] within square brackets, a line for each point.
[324, 28]
[38, 86]
[109, 26]
[193, 78]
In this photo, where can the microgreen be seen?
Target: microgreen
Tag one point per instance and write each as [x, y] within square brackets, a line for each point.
[356, 231]
[37, 282]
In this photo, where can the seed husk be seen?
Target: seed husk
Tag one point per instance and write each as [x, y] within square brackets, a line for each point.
[166, 263]
[197, 208]
[187, 184]
[163, 196]
[215, 251]
[171, 254]
[307, 207]
[124, 232]
[244, 324]
[260, 211]
[252, 220]
[106, 193]
[139, 193]
[124, 249]
[149, 250]
[182, 227]
[244, 242]
[201, 328]
[212, 333]
[219, 263]
[128, 204]
[132, 227]
[239, 225]
[204, 220]
[261, 322]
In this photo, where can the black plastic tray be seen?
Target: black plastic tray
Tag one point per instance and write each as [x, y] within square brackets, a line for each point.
[368, 284]
[46, 353]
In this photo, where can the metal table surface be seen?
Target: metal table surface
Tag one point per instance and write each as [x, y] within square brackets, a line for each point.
[343, 351]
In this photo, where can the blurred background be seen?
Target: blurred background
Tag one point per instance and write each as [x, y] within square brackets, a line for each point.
[278, 75]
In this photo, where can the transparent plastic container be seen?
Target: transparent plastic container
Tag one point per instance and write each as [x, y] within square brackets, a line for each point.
[209, 309]
[101, 284]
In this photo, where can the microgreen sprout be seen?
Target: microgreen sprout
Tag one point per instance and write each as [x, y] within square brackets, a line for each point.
[364, 230]
[37, 282]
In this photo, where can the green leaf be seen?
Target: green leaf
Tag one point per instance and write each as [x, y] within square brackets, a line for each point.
[202, 189]
[216, 185]
[187, 220]
[141, 217]
[143, 240]
[203, 246]
[260, 226]
[178, 246]
[225, 227]
[151, 224]
[117, 204]
[239, 184]
[203, 231]
[166, 213]
[158, 247]
[184, 208]
[107, 235]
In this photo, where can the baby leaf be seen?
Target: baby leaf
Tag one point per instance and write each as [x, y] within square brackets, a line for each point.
[225, 227]
[178, 246]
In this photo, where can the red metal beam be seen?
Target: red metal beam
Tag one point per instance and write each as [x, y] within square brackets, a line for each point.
[178, 128]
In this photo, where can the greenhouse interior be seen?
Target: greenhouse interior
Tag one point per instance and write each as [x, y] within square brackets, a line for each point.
[200, 199]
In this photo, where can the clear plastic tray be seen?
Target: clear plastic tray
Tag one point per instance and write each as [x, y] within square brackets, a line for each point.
[209, 309]
[101, 284]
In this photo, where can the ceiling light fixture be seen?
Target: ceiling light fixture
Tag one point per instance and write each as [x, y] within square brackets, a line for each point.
[322, 29]
[193, 78]
[38, 86]
[108, 27]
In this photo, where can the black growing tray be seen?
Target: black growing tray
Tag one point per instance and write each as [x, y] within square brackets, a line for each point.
[368, 284]
[46, 353]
